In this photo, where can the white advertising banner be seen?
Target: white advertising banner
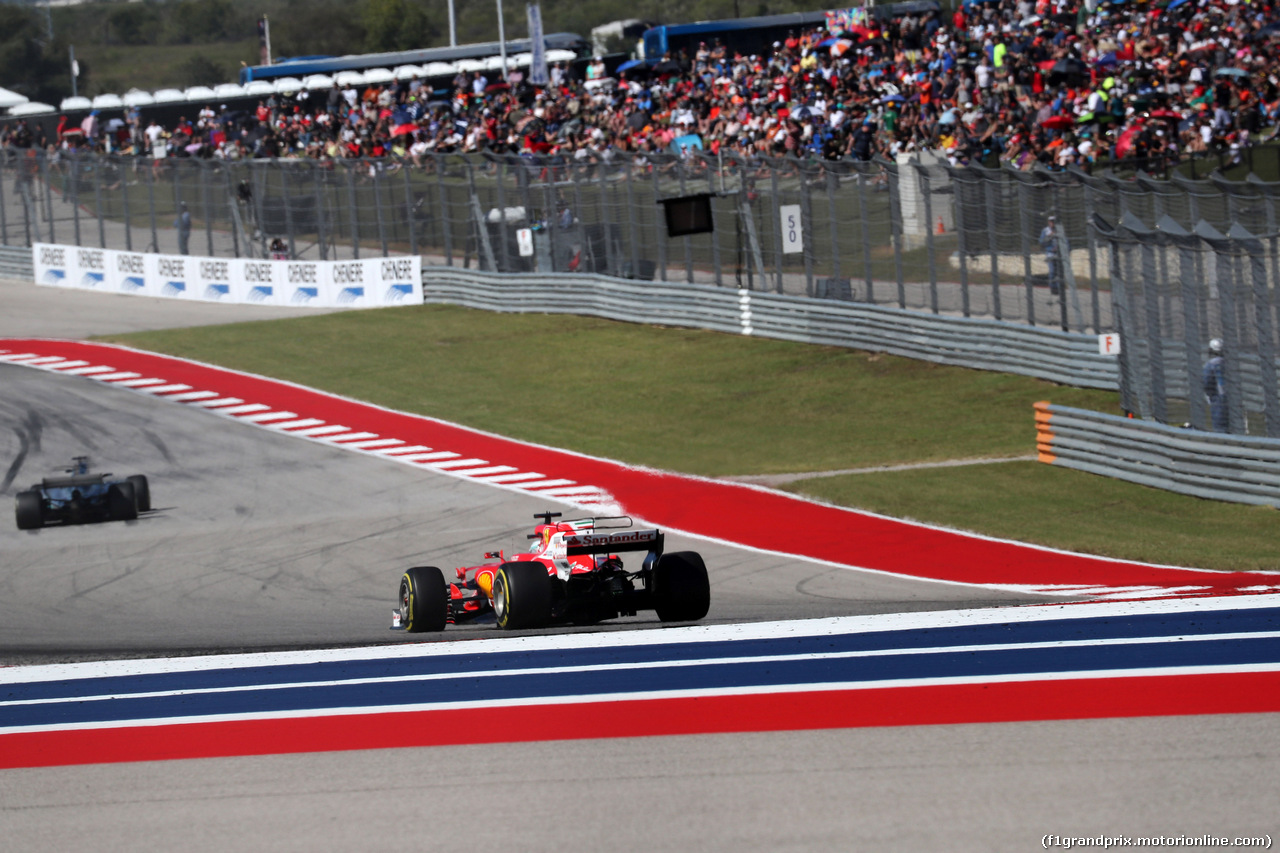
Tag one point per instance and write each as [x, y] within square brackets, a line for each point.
[372, 283]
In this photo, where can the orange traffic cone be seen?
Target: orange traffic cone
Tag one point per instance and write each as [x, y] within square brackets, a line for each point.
[941, 228]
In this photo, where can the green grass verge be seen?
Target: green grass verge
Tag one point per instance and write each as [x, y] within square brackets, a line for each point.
[717, 404]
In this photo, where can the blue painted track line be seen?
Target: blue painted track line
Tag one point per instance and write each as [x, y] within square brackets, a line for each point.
[1163, 626]
[744, 674]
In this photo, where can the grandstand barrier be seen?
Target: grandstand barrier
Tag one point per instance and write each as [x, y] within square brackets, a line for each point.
[1064, 357]
[1236, 468]
[373, 283]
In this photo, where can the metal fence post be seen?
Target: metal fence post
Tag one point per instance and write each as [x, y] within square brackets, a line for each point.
[1024, 245]
[926, 190]
[4, 219]
[776, 225]
[316, 175]
[206, 201]
[351, 211]
[97, 203]
[288, 210]
[961, 250]
[48, 197]
[806, 226]
[503, 251]
[989, 188]
[375, 169]
[685, 241]
[151, 206]
[633, 226]
[1192, 297]
[409, 208]
[864, 225]
[444, 211]
[232, 212]
[832, 179]
[895, 230]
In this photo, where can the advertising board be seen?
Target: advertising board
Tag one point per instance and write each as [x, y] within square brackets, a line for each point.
[370, 283]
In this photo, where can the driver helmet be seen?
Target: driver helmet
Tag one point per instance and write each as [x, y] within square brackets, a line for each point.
[1215, 346]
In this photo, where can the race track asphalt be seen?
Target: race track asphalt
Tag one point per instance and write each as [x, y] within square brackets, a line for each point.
[261, 541]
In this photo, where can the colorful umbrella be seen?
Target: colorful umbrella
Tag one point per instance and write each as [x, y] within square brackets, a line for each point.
[1058, 122]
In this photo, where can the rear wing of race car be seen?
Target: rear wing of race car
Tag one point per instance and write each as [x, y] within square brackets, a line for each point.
[590, 542]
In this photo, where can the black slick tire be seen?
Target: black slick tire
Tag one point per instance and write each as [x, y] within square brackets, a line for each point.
[522, 595]
[681, 591]
[29, 510]
[424, 600]
[141, 492]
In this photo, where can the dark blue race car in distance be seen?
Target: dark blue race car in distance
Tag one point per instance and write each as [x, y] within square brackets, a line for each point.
[81, 496]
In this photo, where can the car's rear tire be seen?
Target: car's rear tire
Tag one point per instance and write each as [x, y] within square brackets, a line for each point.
[681, 590]
[424, 600]
[121, 503]
[29, 510]
[522, 595]
[141, 491]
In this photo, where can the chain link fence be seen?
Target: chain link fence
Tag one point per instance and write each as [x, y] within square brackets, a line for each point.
[918, 234]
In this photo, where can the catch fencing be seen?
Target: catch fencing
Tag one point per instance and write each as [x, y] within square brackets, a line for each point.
[917, 235]
[1240, 469]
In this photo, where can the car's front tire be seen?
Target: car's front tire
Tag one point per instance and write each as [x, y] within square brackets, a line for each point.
[424, 600]
[30, 511]
[681, 590]
[522, 595]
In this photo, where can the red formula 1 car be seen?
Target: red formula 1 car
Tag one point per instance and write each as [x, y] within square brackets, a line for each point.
[571, 574]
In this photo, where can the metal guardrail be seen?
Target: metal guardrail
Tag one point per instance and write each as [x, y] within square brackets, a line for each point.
[1064, 357]
[1235, 468]
[16, 262]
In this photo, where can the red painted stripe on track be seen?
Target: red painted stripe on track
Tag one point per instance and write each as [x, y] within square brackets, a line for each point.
[742, 514]
[1073, 699]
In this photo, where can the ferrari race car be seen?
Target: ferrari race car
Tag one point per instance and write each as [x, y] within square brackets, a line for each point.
[81, 497]
[571, 574]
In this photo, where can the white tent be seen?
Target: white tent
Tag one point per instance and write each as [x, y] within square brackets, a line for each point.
[317, 81]
[137, 98]
[561, 56]
[228, 90]
[405, 72]
[439, 69]
[107, 102]
[169, 96]
[31, 108]
[469, 65]
[349, 78]
[285, 85]
[494, 63]
[199, 93]
[11, 99]
[378, 75]
[257, 88]
[78, 103]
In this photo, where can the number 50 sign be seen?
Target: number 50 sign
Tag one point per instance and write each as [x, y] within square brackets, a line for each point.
[792, 232]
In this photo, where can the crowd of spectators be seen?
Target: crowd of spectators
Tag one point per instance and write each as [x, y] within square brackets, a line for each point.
[1056, 82]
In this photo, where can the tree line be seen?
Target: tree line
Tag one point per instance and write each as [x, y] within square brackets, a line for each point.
[34, 61]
